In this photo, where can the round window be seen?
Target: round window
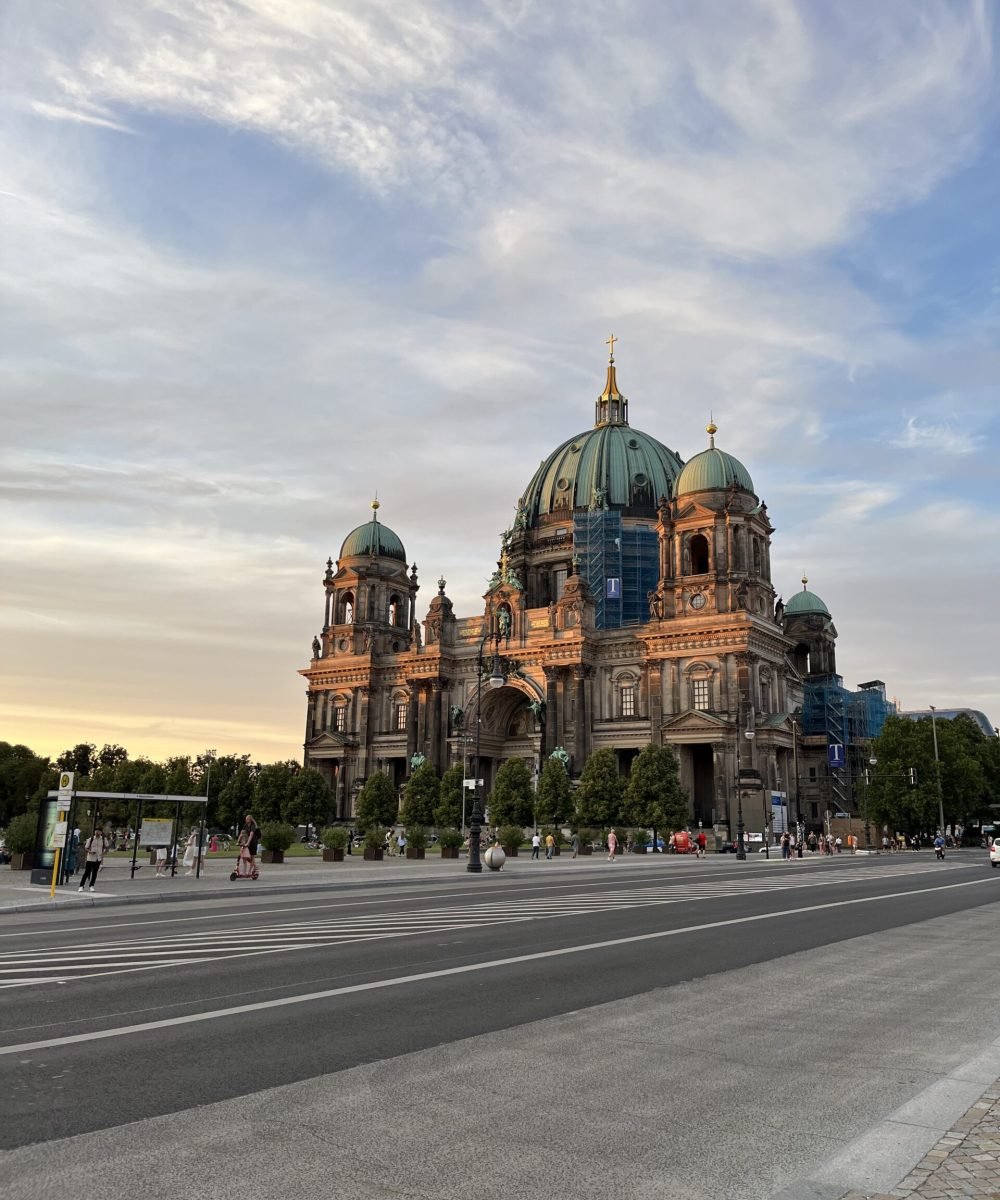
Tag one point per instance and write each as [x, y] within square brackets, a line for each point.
[640, 480]
[562, 484]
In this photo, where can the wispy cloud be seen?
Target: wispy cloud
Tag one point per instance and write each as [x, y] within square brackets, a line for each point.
[942, 438]
[379, 246]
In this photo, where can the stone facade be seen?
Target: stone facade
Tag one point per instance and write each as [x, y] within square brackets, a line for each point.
[710, 658]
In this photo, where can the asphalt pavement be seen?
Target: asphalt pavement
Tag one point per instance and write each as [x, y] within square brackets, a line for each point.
[650, 1028]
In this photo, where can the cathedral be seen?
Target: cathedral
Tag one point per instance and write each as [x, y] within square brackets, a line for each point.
[632, 602]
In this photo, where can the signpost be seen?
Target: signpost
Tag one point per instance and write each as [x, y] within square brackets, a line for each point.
[64, 802]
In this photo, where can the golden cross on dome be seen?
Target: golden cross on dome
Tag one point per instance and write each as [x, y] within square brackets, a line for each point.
[611, 342]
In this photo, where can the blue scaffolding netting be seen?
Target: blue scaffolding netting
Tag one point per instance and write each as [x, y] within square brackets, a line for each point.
[620, 565]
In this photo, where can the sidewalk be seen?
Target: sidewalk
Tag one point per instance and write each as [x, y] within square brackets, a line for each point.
[114, 886]
[963, 1163]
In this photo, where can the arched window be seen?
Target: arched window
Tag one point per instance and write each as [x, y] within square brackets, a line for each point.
[347, 609]
[395, 610]
[756, 556]
[699, 554]
[800, 657]
[765, 692]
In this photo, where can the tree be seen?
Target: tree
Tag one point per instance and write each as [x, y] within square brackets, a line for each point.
[178, 776]
[22, 772]
[552, 805]
[236, 797]
[80, 759]
[112, 755]
[421, 796]
[308, 801]
[448, 814]
[599, 796]
[376, 803]
[512, 800]
[270, 791]
[653, 796]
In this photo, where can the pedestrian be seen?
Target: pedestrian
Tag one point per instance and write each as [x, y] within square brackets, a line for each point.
[191, 851]
[812, 842]
[838, 844]
[612, 845]
[72, 845]
[702, 841]
[786, 845]
[536, 842]
[575, 842]
[213, 845]
[401, 843]
[550, 846]
[95, 849]
[250, 839]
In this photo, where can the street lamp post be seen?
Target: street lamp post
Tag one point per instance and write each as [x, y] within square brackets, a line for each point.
[937, 770]
[476, 817]
[868, 782]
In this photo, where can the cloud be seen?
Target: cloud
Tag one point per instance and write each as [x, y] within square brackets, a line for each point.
[942, 438]
[380, 246]
[57, 113]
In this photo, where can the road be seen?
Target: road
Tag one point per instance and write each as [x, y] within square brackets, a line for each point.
[657, 1028]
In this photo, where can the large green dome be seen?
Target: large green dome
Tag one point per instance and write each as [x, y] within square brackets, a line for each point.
[611, 465]
[373, 538]
[805, 602]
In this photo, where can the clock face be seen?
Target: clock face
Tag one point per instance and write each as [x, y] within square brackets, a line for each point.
[698, 601]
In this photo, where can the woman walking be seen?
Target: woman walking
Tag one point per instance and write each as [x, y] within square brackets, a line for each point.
[95, 849]
[612, 845]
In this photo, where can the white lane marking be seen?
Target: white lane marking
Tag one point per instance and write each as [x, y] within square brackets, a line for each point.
[363, 894]
[158, 953]
[448, 972]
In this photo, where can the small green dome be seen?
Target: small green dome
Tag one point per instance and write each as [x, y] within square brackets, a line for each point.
[713, 470]
[805, 602]
[373, 538]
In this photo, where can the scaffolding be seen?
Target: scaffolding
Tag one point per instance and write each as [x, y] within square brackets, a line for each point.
[848, 719]
[620, 566]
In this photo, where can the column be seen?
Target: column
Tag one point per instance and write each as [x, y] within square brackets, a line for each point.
[310, 716]
[719, 784]
[551, 709]
[435, 726]
[364, 733]
[580, 717]
[412, 716]
[656, 703]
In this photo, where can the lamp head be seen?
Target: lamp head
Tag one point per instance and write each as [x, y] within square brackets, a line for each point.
[496, 676]
[873, 760]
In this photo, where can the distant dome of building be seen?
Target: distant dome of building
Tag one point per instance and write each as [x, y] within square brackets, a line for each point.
[713, 470]
[805, 602]
[609, 466]
[373, 538]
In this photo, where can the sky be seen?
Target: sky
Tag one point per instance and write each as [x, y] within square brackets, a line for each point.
[261, 259]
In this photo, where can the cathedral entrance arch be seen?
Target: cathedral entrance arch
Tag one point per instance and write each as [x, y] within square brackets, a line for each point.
[506, 727]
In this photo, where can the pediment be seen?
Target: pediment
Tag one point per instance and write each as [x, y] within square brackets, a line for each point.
[693, 509]
[329, 740]
[695, 721]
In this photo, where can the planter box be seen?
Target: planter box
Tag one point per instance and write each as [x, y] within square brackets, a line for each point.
[333, 855]
[449, 852]
[273, 856]
[510, 851]
[555, 851]
[415, 852]
[586, 850]
[21, 862]
[374, 853]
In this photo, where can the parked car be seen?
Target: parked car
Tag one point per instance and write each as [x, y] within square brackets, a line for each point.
[660, 845]
[995, 852]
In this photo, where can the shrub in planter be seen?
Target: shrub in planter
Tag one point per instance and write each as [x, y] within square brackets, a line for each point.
[587, 838]
[449, 840]
[334, 841]
[416, 841]
[557, 837]
[275, 837]
[374, 844]
[20, 841]
[510, 837]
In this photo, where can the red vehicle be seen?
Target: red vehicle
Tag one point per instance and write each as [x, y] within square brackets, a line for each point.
[681, 842]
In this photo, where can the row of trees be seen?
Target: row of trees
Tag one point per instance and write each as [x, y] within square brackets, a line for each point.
[234, 786]
[650, 797]
[970, 774]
